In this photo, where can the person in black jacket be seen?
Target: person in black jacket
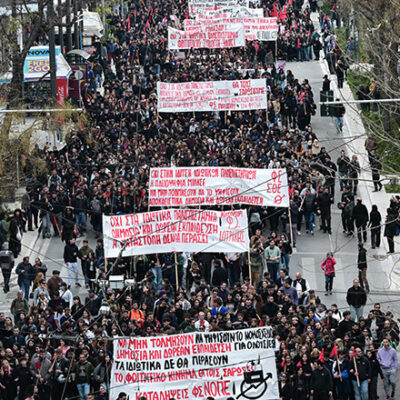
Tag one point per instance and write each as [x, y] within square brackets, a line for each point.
[375, 220]
[270, 308]
[375, 371]
[356, 299]
[362, 267]
[71, 260]
[361, 375]
[220, 274]
[321, 382]
[325, 201]
[391, 225]
[360, 215]
[285, 387]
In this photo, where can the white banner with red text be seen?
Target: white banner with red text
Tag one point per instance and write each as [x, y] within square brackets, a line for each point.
[250, 94]
[223, 36]
[180, 187]
[171, 230]
[239, 364]
[252, 26]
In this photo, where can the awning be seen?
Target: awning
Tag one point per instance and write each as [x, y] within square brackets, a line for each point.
[81, 53]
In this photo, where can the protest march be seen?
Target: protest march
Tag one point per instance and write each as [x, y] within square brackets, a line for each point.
[174, 209]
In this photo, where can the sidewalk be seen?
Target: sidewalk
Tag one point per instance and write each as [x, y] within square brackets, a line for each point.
[354, 135]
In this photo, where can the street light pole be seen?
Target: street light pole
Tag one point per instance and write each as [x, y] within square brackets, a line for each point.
[52, 51]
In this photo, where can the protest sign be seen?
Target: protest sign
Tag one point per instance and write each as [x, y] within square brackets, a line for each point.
[238, 363]
[176, 230]
[222, 36]
[252, 26]
[196, 6]
[218, 185]
[239, 95]
[236, 12]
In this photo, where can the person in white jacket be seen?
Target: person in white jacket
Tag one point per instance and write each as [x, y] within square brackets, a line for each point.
[66, 295]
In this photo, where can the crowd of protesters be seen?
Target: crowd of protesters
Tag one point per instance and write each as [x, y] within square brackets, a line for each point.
[57, 345]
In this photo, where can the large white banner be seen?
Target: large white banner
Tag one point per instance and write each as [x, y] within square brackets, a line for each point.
[197, 5]
[221, 36]
[255, 28]
[190, 186]
[239, 95]
[171, 230]
[237, 12]
[239, 364]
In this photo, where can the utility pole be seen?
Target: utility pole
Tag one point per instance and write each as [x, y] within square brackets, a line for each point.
[52, 51]
[68, 23]
[60, 25]
[76, 26]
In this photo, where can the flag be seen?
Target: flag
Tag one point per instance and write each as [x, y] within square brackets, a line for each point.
[162, 41]
[274, 11]
[283, 363]
[299, 364]
[256, 46]
[134, 13]
[164, 21]
[147, 23]
[321, 356]
[334, 351]
[129, 22]
[186, 15]
[353, 353]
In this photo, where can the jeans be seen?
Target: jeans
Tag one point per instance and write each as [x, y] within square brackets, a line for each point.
[24, 286]
[84, 390]
[85, 266]
[389, 381]
[46, 224]
[362, 232]
[309, 217]
[6, 276]
[338, 124]
[81, 221]
[341, 180]
[72, 268]
[328, 283]
[356, 313]
[157, 276]
[375, 237]
[285, 261]
[273, 270]
[360, 393]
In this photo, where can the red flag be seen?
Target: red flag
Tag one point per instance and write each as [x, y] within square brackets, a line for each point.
[186, 15]
[164, 20]
[134, 13]
[295, 25]
[256, 46]
[129, 22]
[162, 41]
[353, 353]
[147, 23]
[321, 356]
[334, 351]
[309, 31]
[123, 22]
[274, 11]
[299, 364]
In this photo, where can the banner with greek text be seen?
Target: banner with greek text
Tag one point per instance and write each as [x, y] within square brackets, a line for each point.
[252, 26]
[171, 230]
[208, 5]
[222, 36]
[237, 12]
[175, 187]
[239, 364]
[250, 94]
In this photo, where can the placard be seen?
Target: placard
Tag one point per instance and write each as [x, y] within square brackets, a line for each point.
[222, 36]
[250, 94]
[196, 6]
[175, 187]
[236, 12]
[171, 230]
[255, 28]
[239, 364]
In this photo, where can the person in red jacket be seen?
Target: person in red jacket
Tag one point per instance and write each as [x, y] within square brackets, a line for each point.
[328, 265]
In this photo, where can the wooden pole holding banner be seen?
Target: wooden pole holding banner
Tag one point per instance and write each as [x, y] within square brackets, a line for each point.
[249, 261]
[276, 50]
[356, 369]
[338, 364]
[176, 271]
[290, 226]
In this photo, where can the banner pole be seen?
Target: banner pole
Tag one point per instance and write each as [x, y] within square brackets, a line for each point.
[176, 271]
[248, 259]
[290, 226]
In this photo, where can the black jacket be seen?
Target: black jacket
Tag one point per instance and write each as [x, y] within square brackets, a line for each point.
[360, 214]
[356, 297]
[321, 381]
[363, 367]
[362, 258]
[71, 252]
[220, 275]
